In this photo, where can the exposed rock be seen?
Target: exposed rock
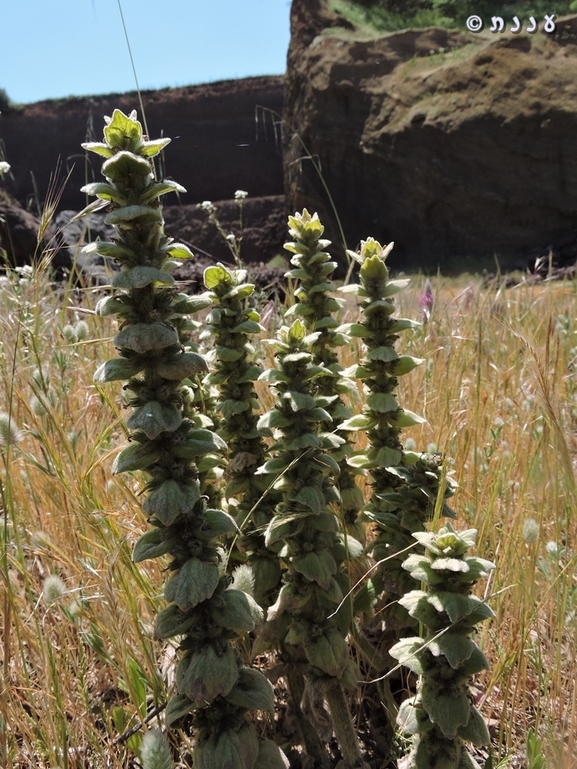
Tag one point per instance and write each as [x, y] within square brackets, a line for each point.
[262, 230]
[18, 233]
[449, 143]
[223, 139]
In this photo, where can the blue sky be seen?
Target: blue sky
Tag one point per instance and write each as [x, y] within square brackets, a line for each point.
[56, 48]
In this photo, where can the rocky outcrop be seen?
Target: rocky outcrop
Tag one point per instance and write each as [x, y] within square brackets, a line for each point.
[223, 139]
[18, 234]
[449, 143]
[261, 229]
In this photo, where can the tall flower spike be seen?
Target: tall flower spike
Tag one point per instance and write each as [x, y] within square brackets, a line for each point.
[165, 442]
[230, 324]
[404, 485]
[316, 306]
[311, 630]
[441, 717]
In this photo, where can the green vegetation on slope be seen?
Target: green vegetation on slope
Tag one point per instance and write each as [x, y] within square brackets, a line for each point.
[391, 15]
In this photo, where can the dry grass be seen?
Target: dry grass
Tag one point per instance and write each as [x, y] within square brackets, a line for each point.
[78, 660]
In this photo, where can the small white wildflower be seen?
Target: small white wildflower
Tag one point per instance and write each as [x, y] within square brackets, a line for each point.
[69, 334]
[431, 448]
[530, 531]
[155, 751]
[37, 406]
[53, 589]
[81, 329]
[498, 422]
[4, 167]
[552, 548]
[410, 444]
[243, 579]
[240, 195]
[231, 239]
[9, 432]
[207, 205]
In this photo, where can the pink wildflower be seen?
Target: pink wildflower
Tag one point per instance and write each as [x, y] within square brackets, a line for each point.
[427, 300]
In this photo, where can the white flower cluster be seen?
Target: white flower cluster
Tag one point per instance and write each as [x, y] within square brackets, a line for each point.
[4, 167]
[240, 195]
[208, 206]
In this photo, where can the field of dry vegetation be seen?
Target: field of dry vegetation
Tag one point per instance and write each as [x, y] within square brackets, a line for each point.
[79, 665]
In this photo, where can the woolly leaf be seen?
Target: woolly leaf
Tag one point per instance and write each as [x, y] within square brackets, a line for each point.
[407, 720]
[129, 214]
[110, 305]
[98, 147]
[138, 277]
[476, 730]
[152, 147]
[231, 407]
[172, 621]
[407, 653]
[357, 422]
[458, 606]
[455, 646]
[105, 192]
[248, 327]
[448, 712]
[218, 523]
[305, 441]
[194, 582]
[384, 354]
[136, 456]
[171, 500]
[215, 275]
[328, 651]
[181, 366]
[232, 610]
[388, 457]
[402, 324]
[228, 355]
[151, 545]
[160, 188]
[394, 286]
[143, 337]
[228, 749]
[299, 401]
[312, 497]
[355, 330]
[273, 418]
[178, 707]
[252, 691]
[382, 402]
[154, 418]
[406, 418]
[123, 131]
[270, 756]
[204, 675]
[179, 251]
[317, 567]
[117, 368]
[405, 364]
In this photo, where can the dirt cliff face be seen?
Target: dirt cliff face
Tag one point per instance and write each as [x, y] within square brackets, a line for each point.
[449, 143]
[222, 135]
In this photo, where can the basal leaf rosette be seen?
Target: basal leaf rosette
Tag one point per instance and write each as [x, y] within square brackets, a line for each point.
[167, 441]
[441, 717]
